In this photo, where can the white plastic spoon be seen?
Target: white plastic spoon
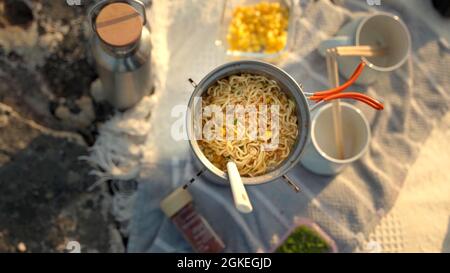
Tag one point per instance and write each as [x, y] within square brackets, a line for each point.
[240, 196]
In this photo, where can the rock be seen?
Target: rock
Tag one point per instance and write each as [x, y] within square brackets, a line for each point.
[18, 12]
[21, 247]
[46, 75]
[97, 92]
[43, 192]
[80, 117]
[4, 121]
[44, 61]
[73, 177]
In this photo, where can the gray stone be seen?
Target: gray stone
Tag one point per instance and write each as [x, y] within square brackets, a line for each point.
[45, 72]
[45, 75]
[43, 197]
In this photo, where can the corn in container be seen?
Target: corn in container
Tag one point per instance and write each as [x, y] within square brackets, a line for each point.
[252, 29]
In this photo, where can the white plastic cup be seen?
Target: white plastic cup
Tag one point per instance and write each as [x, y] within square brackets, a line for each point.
[380, 30]
[321, 155]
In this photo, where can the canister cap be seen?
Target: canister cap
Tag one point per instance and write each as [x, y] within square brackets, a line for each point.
[119, 24]
[175, 201]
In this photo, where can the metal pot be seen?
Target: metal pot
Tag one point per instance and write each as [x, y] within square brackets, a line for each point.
[287, 84]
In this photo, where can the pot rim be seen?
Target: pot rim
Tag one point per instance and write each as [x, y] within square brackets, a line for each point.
[287, 84]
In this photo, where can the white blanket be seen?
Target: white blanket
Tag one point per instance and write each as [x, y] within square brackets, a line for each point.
[348, 206]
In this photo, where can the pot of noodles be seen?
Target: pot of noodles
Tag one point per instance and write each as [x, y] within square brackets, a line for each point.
[251, 113]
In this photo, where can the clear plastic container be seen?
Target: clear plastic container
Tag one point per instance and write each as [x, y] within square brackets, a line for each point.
[305, 222]
[227, 13]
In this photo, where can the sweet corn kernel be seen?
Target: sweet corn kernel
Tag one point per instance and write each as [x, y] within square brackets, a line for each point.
[259, 27]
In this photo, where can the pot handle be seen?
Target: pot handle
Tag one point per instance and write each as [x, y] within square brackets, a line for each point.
[351, 95]
[338, 93]
[192, 180]
[240, 195]
[291, 183]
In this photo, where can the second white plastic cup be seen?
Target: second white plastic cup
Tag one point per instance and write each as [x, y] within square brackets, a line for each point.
[320, 155]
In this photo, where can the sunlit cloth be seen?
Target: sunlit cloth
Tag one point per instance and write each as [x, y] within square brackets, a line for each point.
[117, 151]
[348, 206]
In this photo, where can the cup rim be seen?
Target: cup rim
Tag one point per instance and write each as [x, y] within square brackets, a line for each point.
[326, 156]
[400, 21]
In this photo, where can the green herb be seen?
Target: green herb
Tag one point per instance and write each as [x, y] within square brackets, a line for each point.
[304, 240]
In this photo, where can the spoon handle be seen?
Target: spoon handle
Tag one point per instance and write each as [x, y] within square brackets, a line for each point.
[240, 196]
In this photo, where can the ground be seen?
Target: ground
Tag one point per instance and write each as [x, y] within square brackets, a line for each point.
[47, 121]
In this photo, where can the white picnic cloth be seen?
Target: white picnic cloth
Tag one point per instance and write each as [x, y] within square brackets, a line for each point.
[348, 206]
